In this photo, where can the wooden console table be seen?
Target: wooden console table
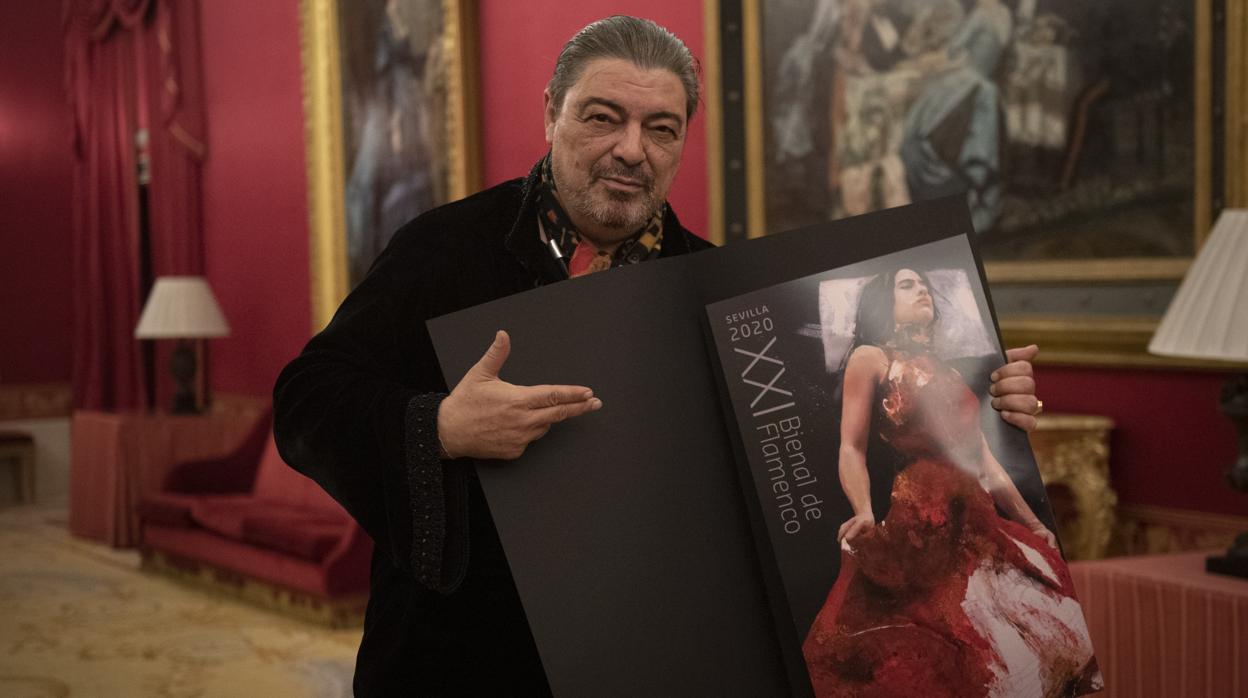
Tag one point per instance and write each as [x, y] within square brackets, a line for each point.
[1072, 453]
[116, 457]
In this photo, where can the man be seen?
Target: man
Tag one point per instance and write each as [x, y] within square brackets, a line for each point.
[364, 410]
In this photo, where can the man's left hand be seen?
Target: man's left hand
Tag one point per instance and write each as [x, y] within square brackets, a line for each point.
[1013, 389]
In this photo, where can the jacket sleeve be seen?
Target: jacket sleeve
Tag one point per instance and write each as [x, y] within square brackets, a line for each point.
[357, 412]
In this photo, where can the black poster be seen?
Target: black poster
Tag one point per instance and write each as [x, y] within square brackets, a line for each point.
[683, 540]
[625, 529]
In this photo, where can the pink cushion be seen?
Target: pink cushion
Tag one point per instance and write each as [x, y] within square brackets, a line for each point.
[229, 516]
[223, 515]
[167, 509]
[307, 539]
[278, 482]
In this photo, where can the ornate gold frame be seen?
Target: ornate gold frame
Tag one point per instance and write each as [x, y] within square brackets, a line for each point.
[1076, 339]
[322, 106]
[1236, 103]
[712, 91]
[1123, 340]
[712, 64]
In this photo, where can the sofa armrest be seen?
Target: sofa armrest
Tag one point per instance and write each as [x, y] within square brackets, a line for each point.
[233, 473]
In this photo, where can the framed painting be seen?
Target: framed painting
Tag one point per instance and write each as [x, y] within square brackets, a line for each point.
[1094, 142]
[391, 126]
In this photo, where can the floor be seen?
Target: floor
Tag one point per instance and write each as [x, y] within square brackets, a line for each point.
[81, 619]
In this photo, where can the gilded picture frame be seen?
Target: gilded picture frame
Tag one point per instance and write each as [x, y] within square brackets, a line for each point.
[1100, 321]
[336, 126]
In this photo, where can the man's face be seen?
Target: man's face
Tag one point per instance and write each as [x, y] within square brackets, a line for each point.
[615, 146]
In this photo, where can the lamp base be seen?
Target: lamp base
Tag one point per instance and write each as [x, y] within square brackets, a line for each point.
[1227, 565]
[1234, 405]
[182, 365]
[1234, 563]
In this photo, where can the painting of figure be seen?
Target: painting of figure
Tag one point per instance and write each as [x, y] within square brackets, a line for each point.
[1067, 125]
[393, 117]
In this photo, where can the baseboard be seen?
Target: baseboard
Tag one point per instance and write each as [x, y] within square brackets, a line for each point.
[1148, 530]
[35, 401]
[53, 400]
[239, 403]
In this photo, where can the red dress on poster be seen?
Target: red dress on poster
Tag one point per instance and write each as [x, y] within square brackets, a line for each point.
[945, 597]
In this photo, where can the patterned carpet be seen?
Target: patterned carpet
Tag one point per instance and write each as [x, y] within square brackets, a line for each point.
[80, 619]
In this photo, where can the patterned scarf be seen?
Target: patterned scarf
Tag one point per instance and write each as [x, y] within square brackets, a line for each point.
[581, 256]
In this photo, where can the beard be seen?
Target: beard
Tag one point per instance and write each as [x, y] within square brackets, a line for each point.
[615, 210]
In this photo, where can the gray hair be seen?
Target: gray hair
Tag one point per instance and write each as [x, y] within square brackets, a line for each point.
[639, 41]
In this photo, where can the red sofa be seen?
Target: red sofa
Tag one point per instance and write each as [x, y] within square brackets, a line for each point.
[248, 518]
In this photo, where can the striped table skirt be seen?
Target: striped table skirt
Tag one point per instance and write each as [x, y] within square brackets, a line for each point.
[1164, 627]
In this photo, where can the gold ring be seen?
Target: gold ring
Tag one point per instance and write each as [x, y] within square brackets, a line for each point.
[1039, 408]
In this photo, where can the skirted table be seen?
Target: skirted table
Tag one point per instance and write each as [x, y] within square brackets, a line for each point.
[118, 456]
[1164, 627]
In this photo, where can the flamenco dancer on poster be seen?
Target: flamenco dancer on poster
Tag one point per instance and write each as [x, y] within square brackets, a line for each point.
[944, 593]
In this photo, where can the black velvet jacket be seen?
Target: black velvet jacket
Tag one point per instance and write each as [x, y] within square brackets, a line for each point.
[357, 412]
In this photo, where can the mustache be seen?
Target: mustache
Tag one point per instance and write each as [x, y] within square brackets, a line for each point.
[616, 170]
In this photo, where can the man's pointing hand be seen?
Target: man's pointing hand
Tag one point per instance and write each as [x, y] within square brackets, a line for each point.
[487, 417]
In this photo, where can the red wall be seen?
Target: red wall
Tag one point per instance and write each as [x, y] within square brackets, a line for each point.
[36, 176]
[255, 201]
[519, 44]
[254, 180]
[1169, 448]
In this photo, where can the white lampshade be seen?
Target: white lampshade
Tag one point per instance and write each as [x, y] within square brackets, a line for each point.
[181, 307]
[1208, 318]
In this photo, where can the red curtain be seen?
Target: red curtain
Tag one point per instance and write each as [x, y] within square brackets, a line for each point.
[106, 368]
[176, 129]
[130, 63]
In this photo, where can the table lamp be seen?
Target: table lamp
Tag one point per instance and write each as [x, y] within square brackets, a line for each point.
[1208, 319]
[182, 308]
